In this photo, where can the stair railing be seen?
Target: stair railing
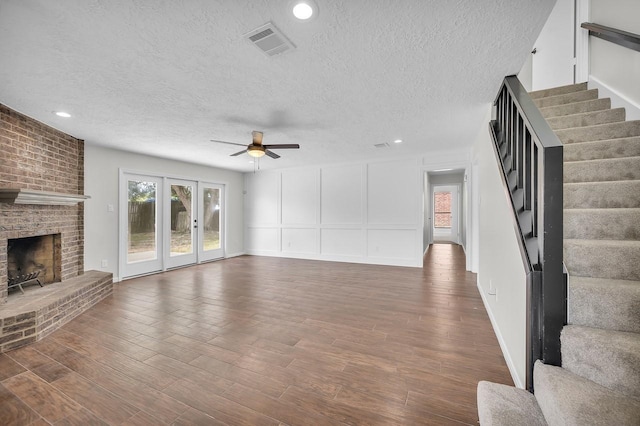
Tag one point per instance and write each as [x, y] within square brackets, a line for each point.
[530, 158]
[613, 35]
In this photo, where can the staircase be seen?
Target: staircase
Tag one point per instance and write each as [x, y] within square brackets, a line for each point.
[599, 382]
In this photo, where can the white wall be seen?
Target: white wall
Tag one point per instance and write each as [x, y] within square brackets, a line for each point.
[101, 183]
[501, 270]
[622, 78]
[364, 212]
[426, 210]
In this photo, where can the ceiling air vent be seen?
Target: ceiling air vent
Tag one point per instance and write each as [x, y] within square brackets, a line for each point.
[269, 40]
[382, 145]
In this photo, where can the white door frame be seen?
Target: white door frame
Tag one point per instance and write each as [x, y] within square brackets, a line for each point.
[180, 259]
[471, 245]
[205, 256]
[126, 269]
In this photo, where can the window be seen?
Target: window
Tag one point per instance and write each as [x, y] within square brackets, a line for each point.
[442, 209]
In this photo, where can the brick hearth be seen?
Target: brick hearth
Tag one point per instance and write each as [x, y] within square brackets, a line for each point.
[38, 157]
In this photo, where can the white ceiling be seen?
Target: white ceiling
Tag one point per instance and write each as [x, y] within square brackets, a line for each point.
[165, 77]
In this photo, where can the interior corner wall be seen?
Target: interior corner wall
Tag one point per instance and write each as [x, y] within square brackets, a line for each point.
[367, 212]
[501, 273]
[101, 183]
[615, 67]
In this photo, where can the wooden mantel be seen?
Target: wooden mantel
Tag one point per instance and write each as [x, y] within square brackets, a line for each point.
[31, 196]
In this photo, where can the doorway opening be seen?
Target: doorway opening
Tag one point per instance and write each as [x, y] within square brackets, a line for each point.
[446, 220]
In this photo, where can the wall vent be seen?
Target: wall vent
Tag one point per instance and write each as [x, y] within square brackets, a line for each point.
[269, 40]
[382, 145]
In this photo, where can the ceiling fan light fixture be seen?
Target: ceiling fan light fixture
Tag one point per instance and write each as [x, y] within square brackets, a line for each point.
[255, 151]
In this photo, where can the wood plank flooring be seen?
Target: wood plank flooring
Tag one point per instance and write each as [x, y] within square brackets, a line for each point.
[266, 341]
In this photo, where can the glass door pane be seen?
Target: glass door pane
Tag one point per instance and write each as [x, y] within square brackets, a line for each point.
[143, 241]
[181, 213]
[211, 220]
[141, 211]
[180, 222]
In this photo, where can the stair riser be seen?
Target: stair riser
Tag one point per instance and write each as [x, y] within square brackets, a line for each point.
[602, 224]
[569, 98]
[620, 300]
[558, 91]
[602, 261]
[611, 359]
[587, 119]
[626, 129]
[614, 148]
[602, 170]
[602, 195]
[576, 108]
[570, 400]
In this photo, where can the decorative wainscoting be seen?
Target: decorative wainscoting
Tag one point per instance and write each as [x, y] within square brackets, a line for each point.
[361, 213]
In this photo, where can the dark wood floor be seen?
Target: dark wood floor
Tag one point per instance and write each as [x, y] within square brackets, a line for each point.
[266, 341]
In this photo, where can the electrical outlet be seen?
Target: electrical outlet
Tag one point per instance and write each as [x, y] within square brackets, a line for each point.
[110, 207]
[104, 263]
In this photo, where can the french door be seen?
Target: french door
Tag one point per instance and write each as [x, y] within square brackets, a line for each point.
[167, 223]
[210, 220]
[180, 222]
[141, 228]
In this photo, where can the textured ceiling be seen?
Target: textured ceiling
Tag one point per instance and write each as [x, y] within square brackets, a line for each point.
[165, 77]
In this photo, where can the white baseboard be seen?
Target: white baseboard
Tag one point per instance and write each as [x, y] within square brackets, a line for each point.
[407, 262]
[618, 100]
[230, 255]
[503, 345]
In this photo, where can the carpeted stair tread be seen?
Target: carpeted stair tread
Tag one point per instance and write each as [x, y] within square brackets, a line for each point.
[561, 90]
[501, 405]
[608, 148]
[602, 224]
[604, 303]
[609, 358]
[567, 98]
[598, 132]
[576, 108]
[570, 400]
[613, 259]
[587, 119]
[615, 194]
[602, 170]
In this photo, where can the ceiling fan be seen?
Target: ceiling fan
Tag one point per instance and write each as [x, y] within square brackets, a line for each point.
[256, 149]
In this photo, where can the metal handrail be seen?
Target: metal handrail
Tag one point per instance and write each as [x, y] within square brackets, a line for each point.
[613, 35]
[530, 158]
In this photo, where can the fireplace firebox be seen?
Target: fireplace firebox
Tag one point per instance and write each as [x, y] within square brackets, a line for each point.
[33, 259]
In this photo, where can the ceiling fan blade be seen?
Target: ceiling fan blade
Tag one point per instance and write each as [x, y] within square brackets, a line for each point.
[238, 153]
[257, 137]
[283, 146]
[271, 154]
[228, 143]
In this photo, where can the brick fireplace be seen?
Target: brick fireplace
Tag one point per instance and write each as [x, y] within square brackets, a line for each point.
[41, 194]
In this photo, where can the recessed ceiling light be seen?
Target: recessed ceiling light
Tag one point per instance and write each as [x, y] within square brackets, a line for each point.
[63, 114]
[303, 10]
[398, 141]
